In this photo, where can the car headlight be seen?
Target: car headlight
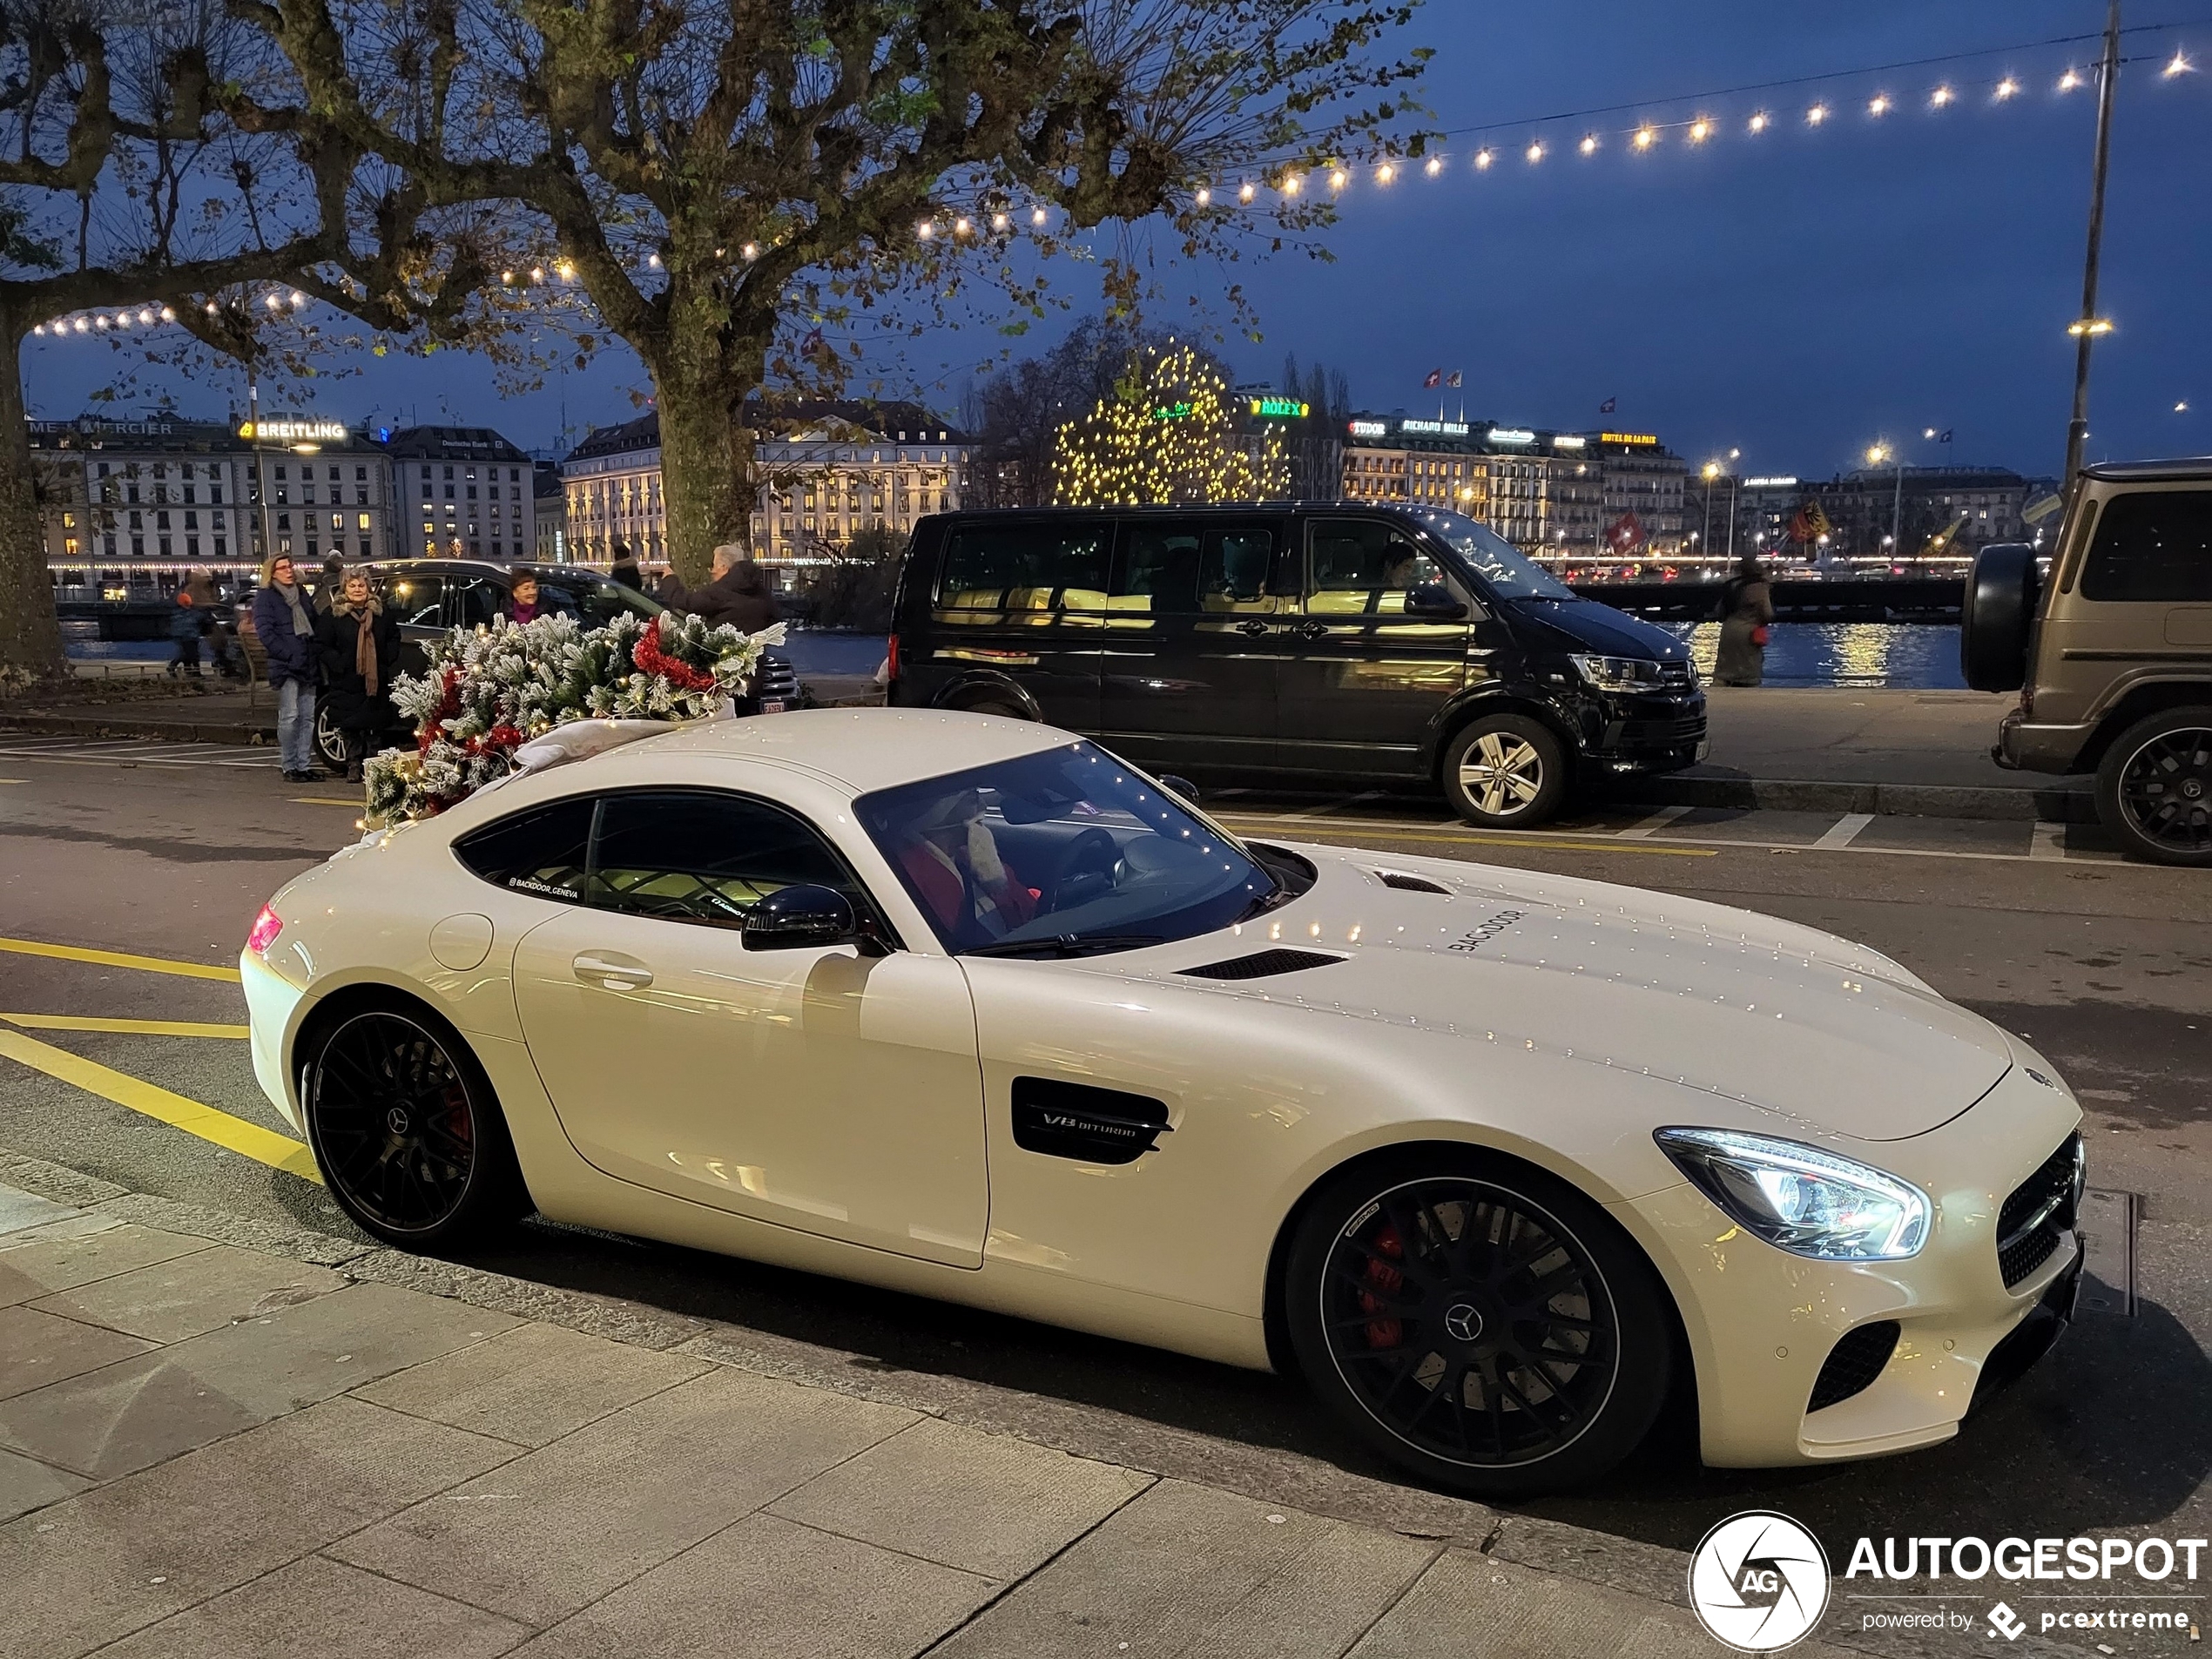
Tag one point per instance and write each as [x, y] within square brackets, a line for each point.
[1802, 1199]
[1618, 673]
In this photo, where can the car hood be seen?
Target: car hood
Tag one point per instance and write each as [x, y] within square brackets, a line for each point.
[1835, 1036]
[1586, 625]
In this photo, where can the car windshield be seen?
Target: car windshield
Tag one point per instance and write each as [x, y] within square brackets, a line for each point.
[1061, 852]
[1495, 560]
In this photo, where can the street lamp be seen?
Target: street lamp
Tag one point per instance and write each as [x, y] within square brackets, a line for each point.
[1875, 457]
[1710, 471]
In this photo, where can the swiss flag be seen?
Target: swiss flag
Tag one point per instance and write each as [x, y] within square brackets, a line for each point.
[1625, 534]
[1435, 379]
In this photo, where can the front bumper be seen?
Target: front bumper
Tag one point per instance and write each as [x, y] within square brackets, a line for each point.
[1761, 1322]
[1643, 733]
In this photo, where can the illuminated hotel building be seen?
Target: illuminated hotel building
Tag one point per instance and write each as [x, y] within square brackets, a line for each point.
[1542, 491]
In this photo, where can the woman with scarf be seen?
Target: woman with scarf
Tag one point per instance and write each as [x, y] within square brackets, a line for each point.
[361, 652]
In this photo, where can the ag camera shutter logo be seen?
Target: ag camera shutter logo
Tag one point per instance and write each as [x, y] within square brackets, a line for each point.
[1758, 1582]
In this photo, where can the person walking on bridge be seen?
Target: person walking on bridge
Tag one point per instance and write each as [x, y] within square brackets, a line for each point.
[286, 629]
[1747, 612]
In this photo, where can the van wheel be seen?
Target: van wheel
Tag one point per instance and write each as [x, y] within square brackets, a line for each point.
[993, 705]
[1505, 772]
[2154, 788]
[330, 741]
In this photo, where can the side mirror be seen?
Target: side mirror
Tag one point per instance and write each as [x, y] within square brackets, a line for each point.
[794, 918]
[1182, 786]
[1435, 599]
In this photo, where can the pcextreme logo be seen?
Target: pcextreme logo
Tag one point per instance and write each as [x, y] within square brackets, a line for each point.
[1758, 1581]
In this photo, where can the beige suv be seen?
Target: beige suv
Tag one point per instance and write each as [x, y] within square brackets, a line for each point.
[2111, 652]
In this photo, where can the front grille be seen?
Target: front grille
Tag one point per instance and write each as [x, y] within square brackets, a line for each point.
[1854, 1362]
[773, 680]
[1262, 964]
[1663, 734]
[1675, 674]
[2039, 1213]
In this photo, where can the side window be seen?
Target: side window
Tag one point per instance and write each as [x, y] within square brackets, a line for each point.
[697, 855]
[2151, 548]
[477, 603]
[1362, 566]
[417, 601]
[1024, 567]
[543, 851]
[1158, 568]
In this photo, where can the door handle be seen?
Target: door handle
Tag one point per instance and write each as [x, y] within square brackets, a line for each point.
[612, 972]
[1255, 628]
[1308, 630]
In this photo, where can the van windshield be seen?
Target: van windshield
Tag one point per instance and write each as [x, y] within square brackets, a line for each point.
[1495, 560]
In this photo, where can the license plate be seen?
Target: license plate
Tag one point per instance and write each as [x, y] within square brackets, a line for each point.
[772, 706]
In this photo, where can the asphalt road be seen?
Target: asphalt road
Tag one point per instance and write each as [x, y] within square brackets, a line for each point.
[165, 853]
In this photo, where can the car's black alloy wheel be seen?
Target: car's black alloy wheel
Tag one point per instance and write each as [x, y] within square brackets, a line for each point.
[402, 1121]
[1490, 1331]
[2154, 789]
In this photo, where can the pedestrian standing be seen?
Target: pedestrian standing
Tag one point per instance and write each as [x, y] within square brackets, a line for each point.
[670, 591]
[361, 652]
[286, 629]
[1746, 613]
[738, 595]
[625, 569]
[185, 626]
[334, 576]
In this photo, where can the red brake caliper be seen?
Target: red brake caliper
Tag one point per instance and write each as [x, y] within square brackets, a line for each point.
[1384, 1332]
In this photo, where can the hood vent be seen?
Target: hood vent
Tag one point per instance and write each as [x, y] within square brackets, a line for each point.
[1263, 965]
[1406, 883]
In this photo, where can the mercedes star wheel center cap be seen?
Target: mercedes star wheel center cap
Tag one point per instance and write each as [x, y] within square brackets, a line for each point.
[397, 1121]
[1463, 1321]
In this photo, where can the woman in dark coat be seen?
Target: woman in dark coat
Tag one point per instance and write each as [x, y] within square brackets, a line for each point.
[361, 652]
[1747, 612]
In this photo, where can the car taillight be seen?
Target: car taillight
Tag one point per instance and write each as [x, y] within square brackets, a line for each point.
[891, 659]
[266, 927]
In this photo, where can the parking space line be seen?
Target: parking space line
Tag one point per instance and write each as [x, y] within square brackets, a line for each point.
[125, 1027]
[2045, 840]
[1844, 831]
[1467, 838]
[1654, 824]
[120, 959]
[232, 1134]
[323, 800]
[1323, 811]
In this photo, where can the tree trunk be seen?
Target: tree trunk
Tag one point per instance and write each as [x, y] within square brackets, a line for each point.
[30, 637]
[706, 474]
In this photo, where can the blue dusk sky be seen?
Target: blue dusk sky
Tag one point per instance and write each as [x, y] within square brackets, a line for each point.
[1797, 293]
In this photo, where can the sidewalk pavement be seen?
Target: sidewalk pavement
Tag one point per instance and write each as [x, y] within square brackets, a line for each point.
[218, 1448]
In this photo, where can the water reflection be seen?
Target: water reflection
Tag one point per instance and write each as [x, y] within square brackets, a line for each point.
[1922, 655]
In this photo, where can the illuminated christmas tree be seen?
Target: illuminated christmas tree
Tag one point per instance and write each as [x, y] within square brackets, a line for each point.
[1164, 436]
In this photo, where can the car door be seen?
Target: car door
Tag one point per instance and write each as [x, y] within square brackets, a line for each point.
[416, 600]
[1188, 677]
[1023, 600]
[825, 1088]
[1361, 678]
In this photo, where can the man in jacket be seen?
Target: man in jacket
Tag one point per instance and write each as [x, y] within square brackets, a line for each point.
[286, 629]
[738, 595]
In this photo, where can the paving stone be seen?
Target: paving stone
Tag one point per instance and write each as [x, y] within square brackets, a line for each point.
[560, 1526]
[320, 1606]
[110, 1561]
[768, 1587]
[20, 1209]
[31, 1270]
[172, 1300]
[1470, 1603]
[532, 1385]
[988, 1503]
[134, 1414]
[27, 1484]
[40, 1348]
[1189, 1570]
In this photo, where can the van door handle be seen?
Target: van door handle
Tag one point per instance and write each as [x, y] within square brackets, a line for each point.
[1308, 630]
[1255, 628]
[612, 972]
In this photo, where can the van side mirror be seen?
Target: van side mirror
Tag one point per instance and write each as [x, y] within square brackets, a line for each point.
[1434, 600]
[796, 917]
[1182, 786]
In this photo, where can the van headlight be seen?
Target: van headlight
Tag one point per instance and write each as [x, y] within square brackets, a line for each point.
[1618, 673]
[1802, 1199]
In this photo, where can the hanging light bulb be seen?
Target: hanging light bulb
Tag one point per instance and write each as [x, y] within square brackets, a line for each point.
[1589, 146]
[38, 328]
[1483, 159]
[212, 308]
[961, 227]
[1535, 150]
[1647, 135]
[1758, 121]
[273, 302]
[1037, 217]
[1290, 183]
[1941, 96]
[1435, 165]
[2177, 64]
[84, 328]
[537, 273]
[297, 299]
[1000, 221]
[1700, 130]
[146, 316]
[1879, 105]
[1338, 179]
[1385, 173]
[1816, 114]
[100, 322]
[168, 315]
[2069, 81]
[752, 252]
[652, 261]
[2006, 88]
[1245, 192]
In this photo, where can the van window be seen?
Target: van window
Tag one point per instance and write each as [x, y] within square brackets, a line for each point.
[1361, 567]
[1172, 570]
[2154, 547]
[1024, 567]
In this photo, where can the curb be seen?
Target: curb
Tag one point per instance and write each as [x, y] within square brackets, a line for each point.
[2052, 805]
[124, 726]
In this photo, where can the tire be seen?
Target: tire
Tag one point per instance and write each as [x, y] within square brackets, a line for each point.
[1447, 1354]
[330, 742]
[1505, 772]
[405, 1131]
[995, 705]
[2154, 788]
[1997, 617]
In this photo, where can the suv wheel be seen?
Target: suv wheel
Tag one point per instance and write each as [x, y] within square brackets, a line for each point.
[2154, 788]
[1505, 772]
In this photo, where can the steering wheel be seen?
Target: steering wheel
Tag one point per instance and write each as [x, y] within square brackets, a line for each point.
[1088, 869]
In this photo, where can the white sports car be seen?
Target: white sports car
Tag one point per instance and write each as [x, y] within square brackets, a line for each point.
[966, 1007]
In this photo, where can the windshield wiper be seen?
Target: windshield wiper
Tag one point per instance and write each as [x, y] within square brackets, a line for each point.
[1067, 945]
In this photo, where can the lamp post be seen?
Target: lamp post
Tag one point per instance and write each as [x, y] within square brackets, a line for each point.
[1875, 457]
[2088, 325]
[1709, 472]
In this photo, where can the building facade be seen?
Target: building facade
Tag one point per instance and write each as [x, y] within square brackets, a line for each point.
[1644, 484]
[1941, 516]
[843, 469]
[1542, 490]
[466, 493]
[550, 512]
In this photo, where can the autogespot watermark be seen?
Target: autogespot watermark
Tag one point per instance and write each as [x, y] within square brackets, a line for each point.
[1760, 1582]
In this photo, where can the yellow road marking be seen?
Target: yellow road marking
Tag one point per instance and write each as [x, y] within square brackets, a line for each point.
[120, 959]
[232, 1133]
[1461, 837]
[322, 800]
[128, 1027]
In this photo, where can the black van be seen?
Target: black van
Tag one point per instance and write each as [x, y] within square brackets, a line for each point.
[1315, 641]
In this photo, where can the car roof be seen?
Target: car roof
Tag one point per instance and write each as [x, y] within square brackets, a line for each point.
[2183, 467]
[862, 749]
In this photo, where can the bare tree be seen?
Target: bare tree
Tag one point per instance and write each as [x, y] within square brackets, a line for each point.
[742, 189]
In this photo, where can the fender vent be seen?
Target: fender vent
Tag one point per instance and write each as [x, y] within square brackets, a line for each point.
[1406, 883]
[1854, 1362]
[1091, 1125]
[1262, 965]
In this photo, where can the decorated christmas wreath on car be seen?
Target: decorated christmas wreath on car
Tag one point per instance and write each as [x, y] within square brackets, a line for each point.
[490, 691]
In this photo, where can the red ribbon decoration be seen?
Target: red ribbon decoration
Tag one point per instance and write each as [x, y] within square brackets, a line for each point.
[650, 659]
